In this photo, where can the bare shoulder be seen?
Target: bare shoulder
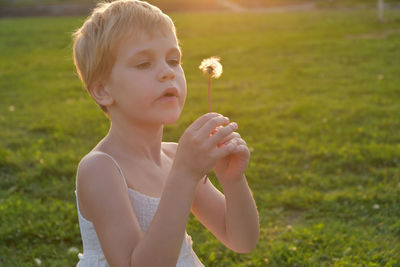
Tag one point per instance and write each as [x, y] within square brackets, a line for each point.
[104, 200]
[169, 148]
[97, 176]
[95, 169]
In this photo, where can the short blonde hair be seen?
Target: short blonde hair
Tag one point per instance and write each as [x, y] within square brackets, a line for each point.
[95, 43]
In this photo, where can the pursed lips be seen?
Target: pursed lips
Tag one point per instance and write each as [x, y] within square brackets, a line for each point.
[169, 94]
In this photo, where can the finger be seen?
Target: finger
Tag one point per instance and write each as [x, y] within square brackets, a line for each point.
[235, 145]
[216, 130]
[225, 149]
[223, 133]
[241, 146]
[197, 124]
[239, 149]
[211, 124]
[228, 138]
[240, 141]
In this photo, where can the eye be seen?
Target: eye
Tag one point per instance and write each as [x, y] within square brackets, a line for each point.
[174, 62]
[143, 65]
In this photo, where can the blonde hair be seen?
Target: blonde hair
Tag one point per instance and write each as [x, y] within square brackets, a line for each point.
[95, 43]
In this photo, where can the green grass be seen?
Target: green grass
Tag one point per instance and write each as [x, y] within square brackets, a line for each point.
[316, 95]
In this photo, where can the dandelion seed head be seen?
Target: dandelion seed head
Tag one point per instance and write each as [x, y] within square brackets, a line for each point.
[211, 66]
[73, 250]
[38, 262]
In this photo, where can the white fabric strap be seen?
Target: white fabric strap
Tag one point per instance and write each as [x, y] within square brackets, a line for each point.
[116, 163]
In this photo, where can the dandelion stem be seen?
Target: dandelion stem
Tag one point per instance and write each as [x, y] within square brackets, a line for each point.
[209, 93]
[209, 110]
[214, 69]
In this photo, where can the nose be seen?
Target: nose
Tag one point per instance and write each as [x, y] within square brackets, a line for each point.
[166, 73]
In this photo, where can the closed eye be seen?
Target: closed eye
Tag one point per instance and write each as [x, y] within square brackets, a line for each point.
[143, 65]
[173, 62]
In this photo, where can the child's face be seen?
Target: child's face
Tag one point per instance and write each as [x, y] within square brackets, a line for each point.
[147, 81]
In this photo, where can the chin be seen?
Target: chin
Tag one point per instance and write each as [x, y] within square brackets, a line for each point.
[170, 121]
[170, 118]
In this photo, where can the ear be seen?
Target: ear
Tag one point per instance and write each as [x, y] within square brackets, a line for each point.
[101, 94]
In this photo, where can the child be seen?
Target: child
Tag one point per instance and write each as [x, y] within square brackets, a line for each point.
[135, 192]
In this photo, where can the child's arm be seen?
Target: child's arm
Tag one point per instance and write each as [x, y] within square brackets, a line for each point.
[106, 202]
[233, 217]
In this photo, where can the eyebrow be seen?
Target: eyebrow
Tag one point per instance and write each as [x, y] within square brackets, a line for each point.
[151, 52]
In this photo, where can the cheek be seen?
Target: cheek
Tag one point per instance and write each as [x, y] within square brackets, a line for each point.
[183, 99]
[182, 80]
[182, 84]
[119, 80]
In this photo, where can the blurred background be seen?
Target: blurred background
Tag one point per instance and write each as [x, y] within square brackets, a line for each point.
[76, 7]
[313, 85]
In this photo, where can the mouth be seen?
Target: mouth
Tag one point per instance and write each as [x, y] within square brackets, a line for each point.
[170, 92]
[169, 95]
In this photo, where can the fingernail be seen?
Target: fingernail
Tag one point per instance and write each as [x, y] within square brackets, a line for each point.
[234, 124]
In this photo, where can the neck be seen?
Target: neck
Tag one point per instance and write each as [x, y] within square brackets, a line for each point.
[132, 139]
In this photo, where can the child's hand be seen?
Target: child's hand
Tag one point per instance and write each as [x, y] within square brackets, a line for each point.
[198, 149]
[233, 166]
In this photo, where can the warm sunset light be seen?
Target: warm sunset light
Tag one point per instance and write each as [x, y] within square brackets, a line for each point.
[212, 66]
[122, 144]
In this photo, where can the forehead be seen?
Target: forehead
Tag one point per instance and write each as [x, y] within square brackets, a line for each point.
[157, 41]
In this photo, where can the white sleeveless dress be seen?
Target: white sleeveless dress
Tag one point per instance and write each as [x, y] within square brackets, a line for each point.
[145, 207]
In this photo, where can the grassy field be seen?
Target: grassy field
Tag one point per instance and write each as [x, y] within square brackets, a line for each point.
[316, 95]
